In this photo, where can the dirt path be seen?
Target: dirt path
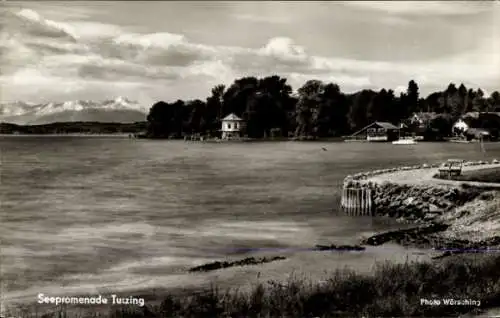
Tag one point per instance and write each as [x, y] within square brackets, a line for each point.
[425, 177]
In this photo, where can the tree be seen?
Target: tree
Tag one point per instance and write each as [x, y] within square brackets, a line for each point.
[334, 108]
[166, 119]
[213, 109]
[159, 118]
[317, 109]
[238, 94]
[180, 115]
[478, 102]
[359, 108]
[412, 97]
[463, 96]
[453, 101]
[307, 108]
[274, 96]
[494, 102]
[441, 126]
[381, 107]
[433, 102]
[196, 122]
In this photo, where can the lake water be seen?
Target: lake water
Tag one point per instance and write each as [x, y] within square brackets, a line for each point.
[97, 215]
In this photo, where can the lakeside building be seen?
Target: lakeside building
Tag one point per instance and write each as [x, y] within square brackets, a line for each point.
[232, 127]
[377, 131]
[465, 122]
[422, 120]
[419, 125]
[486, 121]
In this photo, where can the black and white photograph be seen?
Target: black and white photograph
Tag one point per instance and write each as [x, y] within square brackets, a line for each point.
[249, 159]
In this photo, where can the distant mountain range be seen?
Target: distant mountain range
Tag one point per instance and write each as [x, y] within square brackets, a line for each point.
[118, 110]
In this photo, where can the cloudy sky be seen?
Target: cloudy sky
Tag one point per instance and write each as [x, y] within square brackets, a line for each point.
[147, 51]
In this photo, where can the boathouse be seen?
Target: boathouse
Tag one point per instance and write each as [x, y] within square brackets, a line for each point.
[232, 127]
[377, 131]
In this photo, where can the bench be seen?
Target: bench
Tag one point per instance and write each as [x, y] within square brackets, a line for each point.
[451, 168]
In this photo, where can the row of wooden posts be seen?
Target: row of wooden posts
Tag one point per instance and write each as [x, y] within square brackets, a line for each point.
[194, 138]
[357, 201]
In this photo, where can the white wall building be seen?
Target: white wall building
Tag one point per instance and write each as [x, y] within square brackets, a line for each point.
[460, 126]
[232, 127]
[464, 123]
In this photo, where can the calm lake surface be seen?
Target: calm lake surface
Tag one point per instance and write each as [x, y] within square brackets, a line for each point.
[96, 215]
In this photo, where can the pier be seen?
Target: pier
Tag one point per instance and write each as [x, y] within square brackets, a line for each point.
[409, 191]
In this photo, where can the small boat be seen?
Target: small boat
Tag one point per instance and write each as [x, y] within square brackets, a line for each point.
[405, 141]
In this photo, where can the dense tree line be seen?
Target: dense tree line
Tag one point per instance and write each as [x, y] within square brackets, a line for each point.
[317, 109]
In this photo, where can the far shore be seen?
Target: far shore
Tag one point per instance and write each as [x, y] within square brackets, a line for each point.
[214, 140]
[67, 135]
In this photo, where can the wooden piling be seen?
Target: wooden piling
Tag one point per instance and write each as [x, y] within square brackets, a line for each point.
[370, 202]
[356, 201]
[363, 202]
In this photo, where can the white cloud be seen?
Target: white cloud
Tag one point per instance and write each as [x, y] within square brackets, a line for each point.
[93, 30]
[283, 47]
[163, 40]
[346, 83]
[151, 65]
[33, 16]
[213, 69]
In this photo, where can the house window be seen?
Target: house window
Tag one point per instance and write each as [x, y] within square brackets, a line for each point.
[372, 129]
[235, 125]
[228, 126]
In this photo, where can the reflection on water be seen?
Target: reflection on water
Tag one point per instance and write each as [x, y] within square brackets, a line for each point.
[92, 214]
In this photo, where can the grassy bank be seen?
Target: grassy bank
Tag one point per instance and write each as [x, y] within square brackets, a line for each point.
[393, 290]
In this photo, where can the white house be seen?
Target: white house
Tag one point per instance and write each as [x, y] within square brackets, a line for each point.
[460, 126]
[464, 123]
[470, 120]
[232, 127]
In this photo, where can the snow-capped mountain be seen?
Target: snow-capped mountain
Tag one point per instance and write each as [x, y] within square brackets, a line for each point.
[119, 109]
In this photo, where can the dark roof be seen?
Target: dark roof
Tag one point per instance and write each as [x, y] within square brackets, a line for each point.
[383, 124]
[477, 131]
[232, 117]
[425, 116]
[471, 115]
[476, 114]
